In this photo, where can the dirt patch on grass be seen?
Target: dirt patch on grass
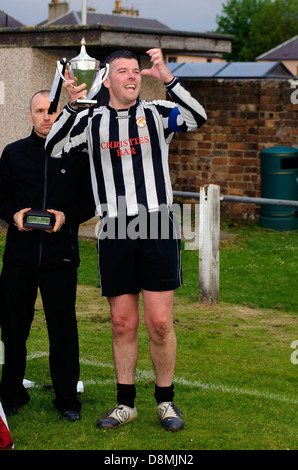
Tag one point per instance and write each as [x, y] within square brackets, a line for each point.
[92, 306]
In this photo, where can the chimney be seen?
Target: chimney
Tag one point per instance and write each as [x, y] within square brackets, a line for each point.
[118, 7]
[57, 9]
[118, 10]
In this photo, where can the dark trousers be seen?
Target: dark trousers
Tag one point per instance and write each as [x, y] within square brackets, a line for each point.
[19, 288]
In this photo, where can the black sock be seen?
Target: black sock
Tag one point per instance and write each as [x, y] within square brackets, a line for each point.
[126, 394]
[164, 393]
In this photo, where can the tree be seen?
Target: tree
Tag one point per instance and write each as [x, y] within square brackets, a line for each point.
[258, 25]
[276, 23]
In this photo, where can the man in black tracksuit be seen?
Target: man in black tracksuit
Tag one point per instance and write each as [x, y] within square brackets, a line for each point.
[47, 260]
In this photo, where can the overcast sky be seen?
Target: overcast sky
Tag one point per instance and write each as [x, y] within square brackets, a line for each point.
[185, 15]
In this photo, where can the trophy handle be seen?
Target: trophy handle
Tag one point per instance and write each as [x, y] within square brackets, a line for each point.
[102, 76]
[107, 69]
[59, 68]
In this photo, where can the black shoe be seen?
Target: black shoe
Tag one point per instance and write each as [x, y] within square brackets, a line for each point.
[121, 414]
[10, 408]
[71, 415]
[170, 416]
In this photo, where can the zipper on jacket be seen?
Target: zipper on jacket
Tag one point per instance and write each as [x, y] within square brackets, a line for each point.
[45, 187]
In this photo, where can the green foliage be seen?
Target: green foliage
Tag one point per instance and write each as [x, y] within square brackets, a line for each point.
[258, 267]
[237, 19]
[258, 25]
[88, 270]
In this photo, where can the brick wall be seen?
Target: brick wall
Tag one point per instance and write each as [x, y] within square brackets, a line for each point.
[244, 117]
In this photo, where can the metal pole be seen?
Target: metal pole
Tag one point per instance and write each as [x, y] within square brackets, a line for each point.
[248, 200]
[84, 12]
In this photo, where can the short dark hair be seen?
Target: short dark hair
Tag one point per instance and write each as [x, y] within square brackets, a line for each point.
[40, 92]
[122, 54]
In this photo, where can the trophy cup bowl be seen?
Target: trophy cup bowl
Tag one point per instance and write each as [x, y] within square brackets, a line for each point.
[86, 69]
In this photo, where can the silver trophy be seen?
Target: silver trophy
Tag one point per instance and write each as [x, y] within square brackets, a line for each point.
[85, 69]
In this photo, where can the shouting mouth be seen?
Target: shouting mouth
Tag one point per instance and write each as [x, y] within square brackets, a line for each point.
[130, 87]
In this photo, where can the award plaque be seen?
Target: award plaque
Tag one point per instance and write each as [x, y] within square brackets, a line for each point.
[86, 69]
[39, 219]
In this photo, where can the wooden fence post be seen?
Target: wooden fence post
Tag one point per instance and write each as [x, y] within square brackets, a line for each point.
[209, 237]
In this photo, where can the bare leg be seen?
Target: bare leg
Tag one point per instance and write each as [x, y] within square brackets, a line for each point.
[125, 321]
[158, 312]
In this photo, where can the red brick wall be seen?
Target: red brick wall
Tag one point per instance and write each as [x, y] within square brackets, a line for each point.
[244, 117]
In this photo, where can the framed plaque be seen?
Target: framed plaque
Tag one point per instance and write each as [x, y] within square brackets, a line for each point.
[39, 219]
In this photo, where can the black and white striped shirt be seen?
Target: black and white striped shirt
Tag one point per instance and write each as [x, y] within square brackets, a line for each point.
[128, 149]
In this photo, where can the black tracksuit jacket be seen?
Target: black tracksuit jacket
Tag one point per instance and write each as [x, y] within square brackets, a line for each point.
[30, 178]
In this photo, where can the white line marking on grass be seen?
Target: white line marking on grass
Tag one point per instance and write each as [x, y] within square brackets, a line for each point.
[36, 355]
[96, 364]
[238, 391]
[149, 375]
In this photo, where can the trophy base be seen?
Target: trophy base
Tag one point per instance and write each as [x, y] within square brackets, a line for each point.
[84, 103]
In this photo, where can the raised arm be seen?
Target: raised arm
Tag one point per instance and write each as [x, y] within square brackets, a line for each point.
[69, 132]
[188, 114]
[61, 139]
[159, 68]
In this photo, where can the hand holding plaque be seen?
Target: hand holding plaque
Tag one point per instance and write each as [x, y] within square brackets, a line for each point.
[39, 219]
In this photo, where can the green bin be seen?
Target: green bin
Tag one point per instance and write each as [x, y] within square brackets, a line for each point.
[279, 180]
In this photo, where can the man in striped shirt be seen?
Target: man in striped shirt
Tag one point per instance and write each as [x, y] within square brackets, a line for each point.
[139, 248]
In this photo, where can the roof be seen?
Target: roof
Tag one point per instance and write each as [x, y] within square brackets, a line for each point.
[285, 51]
[74, 17]
[230, 70]
[137, 33]
[7, 21]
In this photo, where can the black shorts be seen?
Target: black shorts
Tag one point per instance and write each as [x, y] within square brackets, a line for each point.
[134, 255]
